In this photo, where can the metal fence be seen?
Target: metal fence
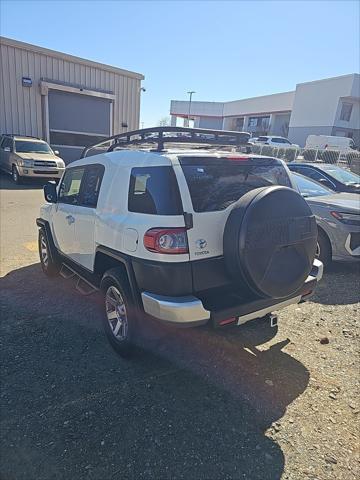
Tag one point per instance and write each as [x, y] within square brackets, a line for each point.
[347, 160]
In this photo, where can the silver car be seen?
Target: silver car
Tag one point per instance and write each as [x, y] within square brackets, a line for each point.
[338, 219]
[29, 157]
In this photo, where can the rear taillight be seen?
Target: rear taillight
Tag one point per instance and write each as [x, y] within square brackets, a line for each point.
[166, 240]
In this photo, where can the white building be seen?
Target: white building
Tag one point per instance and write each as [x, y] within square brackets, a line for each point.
[329, 107]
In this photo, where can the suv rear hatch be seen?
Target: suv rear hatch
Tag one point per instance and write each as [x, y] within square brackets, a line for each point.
[215, 183]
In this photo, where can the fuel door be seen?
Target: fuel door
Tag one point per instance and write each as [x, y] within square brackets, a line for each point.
[131, 239]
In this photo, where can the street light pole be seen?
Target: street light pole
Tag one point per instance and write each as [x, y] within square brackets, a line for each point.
[191, 94]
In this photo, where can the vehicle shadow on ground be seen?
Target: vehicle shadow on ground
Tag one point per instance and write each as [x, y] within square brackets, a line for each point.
[340, 284]
[191, 404]
[6, 183]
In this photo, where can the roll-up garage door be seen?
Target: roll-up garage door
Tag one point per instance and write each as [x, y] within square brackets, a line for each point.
[76, 121]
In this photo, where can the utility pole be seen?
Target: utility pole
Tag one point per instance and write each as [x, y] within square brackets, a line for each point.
[190, 94]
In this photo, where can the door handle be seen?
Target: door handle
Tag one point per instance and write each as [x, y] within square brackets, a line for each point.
[70, 219]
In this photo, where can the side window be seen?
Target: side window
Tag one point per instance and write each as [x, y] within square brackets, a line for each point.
[91, 185]
[70, 186]
[7, 142]
[154, 190]
[314, 174]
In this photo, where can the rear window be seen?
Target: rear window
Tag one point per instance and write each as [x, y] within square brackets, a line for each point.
[154, 190]
[214, 184]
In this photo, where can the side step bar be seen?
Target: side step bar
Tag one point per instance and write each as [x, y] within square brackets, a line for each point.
[82, 285]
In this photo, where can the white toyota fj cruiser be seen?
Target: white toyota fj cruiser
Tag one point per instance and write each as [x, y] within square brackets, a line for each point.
[188, 235]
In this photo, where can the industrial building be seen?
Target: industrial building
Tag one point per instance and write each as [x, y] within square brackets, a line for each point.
[323, 107]
[68, 101]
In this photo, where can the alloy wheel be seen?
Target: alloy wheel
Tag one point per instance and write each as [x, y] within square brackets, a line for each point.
[15, 174]
[116, 313]
[44, 251]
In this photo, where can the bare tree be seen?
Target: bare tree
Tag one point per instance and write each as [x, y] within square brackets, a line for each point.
[164, 122]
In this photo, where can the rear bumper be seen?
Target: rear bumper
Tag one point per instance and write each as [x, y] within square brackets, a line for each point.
[190, 310]
[41, 172]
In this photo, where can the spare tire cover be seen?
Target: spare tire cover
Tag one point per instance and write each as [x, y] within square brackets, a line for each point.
[270, 241]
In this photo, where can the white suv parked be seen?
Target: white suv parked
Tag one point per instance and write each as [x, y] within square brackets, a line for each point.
[280, 142]
[186, 235]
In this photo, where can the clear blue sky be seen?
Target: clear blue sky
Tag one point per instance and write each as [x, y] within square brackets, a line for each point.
[222, 50]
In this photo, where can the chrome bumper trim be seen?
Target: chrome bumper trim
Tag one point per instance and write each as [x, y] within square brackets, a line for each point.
[190, 309]
[317, 271]
[174, 309]
[270, 309]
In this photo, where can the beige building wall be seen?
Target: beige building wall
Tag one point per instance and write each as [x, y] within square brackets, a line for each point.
[23, 109]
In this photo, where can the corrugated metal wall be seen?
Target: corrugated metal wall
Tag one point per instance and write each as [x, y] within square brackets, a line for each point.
[21, 107]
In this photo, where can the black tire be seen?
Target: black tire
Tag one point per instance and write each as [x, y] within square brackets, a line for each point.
[49, 265]
[116, 288]
[323, 249]
[15, 176]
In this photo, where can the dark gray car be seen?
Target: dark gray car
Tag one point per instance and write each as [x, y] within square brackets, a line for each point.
[338, 219]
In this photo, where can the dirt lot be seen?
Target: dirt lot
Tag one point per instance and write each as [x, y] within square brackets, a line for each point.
[194, 404]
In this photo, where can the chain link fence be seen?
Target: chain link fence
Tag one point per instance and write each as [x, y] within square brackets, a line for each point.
[347, 160]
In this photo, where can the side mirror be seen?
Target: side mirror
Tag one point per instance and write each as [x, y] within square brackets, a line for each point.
[57, 152]
[50, 192]
[7, 149]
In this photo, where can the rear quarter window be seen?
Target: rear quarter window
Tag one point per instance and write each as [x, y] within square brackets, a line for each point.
[215, 184]
[154, 190]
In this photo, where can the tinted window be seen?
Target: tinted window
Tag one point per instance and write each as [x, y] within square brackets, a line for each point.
[281, 140]
[342, 175]
[346, 110]
[312, 173]
[90, 187]
[154, 190]
[7, 142]
[70, 186]
[24, 146]
[308, 188]
[217, 183]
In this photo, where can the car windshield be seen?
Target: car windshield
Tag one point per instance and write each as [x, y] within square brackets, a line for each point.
[309, 188]
[216, 183]
[342, 175]
[25, 146]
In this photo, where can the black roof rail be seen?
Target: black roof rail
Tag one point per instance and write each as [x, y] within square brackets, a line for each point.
[175, 135]
[19, 135]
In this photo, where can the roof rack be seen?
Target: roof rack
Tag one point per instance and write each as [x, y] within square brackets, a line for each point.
[19, 135]
[174, 135]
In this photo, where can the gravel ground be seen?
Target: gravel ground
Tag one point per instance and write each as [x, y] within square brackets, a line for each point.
[251, 402]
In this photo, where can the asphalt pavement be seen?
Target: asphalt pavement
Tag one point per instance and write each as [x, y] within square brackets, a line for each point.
[191, 404]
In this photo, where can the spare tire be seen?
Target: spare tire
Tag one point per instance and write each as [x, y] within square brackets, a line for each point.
[270, 241]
